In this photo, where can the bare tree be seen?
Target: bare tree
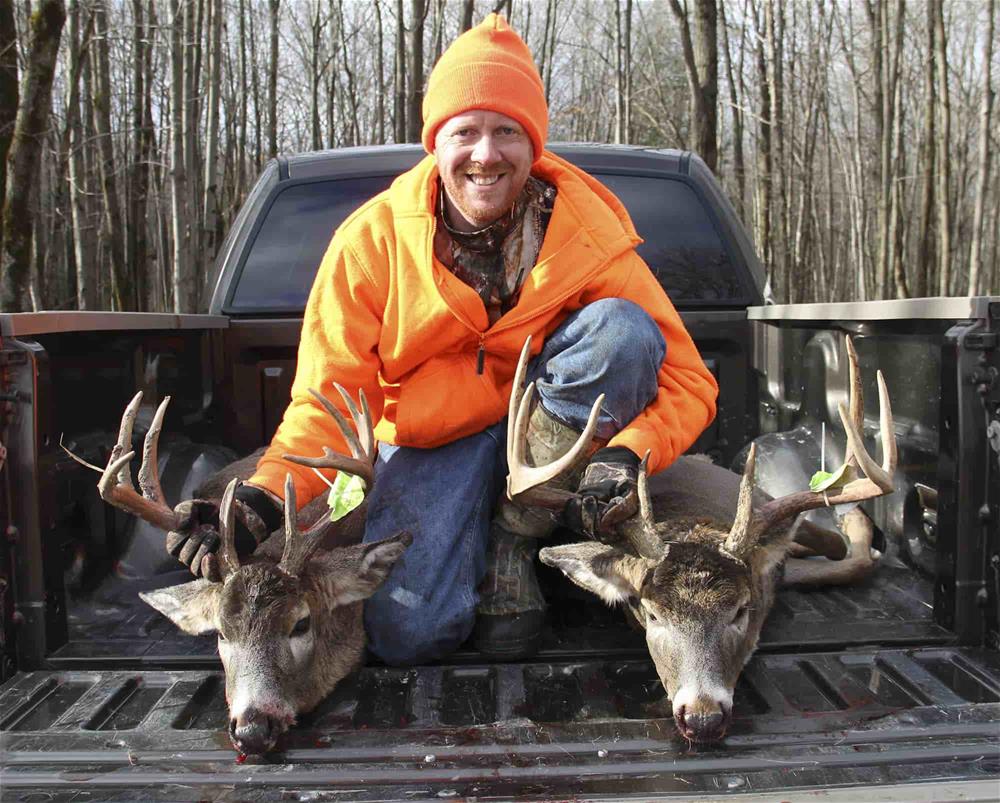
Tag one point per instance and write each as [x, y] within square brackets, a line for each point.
[8, 86]
[211, 224]
[399, 77]
[468, 11]
[943, 148]
[702, 64]
[122, 288]
[415, 93]
[182, 285]
[24, 154]
[983, 156]
[274, 6]
[623, 72]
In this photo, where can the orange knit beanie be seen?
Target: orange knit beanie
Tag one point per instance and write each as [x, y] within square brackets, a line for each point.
[487, 67]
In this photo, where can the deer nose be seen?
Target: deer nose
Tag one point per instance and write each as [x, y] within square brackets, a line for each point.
[252, 732]
[707, 724]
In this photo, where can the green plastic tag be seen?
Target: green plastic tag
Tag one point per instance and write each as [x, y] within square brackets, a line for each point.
[824, 480]
[346, 493]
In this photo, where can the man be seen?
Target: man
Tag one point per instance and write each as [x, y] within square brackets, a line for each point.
[424, 300]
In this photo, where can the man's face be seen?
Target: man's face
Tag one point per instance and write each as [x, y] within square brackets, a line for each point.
[484, 159]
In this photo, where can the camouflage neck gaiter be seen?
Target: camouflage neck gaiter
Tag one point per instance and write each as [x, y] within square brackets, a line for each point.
[495, 260]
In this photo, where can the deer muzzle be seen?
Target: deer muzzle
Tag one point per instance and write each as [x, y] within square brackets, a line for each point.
[706, 720]
[254, 732]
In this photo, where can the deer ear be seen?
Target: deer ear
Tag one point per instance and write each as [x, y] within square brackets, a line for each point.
[375, 561]
[191, 606]
[605, 570]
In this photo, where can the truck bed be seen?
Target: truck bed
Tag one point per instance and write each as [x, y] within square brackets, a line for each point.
[894, 607]
[582, 729]
[850, 687]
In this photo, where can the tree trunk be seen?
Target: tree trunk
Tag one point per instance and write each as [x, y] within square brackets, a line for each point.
[8, 88]
[182, 286]
[739, 169]
[898, 165]
[379, 74]
[122, 287]
[137, 247]
[943, 152]
[415, 95]
[923, 269]
[272, 82]
[25, 152]
[211, 220]
[399, 107]
[983, 158]
[468, 11]
[764, 191]
[701, 65]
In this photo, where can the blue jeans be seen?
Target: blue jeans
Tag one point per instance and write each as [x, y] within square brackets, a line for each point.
[445, 496]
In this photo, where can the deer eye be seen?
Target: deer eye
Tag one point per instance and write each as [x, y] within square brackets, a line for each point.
[221, 635]
[301, 626]
[741, 615]
[650, 616]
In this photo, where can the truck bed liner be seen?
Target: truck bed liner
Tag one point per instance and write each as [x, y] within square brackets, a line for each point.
[894, 607]
[580, 729]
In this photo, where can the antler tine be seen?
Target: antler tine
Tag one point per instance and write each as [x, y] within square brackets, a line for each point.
[517, 392]
[345, 429]
[149, 475]
[292, 534]
[364, 437]
[742, 534]
[640, 531]
[115, 485]
[298, 545]
[881, 476]
[521, 476]
[856, 395]
[124, 444]
[363, 449]
[228, 558]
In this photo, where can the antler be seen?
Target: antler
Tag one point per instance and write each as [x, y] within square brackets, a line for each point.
[361, 443]
[525, 482]
[299, 545]
[115, 485]
[750, 525]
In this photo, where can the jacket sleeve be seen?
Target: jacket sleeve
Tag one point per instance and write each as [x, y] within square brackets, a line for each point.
[685, 400]
[339, 343]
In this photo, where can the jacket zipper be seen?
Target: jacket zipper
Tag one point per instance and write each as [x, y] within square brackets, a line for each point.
[481, 354]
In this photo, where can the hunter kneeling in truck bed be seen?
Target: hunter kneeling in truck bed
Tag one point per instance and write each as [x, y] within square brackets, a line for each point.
[423, 300]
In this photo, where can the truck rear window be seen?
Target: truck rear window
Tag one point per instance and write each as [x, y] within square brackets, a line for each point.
[682, 245]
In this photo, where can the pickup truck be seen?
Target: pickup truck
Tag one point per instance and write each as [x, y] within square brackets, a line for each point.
[884, 690]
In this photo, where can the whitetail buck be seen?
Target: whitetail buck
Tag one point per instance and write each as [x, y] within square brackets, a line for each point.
[700, 577]
[289, 620]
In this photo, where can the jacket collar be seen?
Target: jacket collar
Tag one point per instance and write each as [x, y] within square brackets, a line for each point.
[589, 227]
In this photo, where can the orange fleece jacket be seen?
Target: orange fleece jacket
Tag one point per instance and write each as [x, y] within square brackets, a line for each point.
[384, 315]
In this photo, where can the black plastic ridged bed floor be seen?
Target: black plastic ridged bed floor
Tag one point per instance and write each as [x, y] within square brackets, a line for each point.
[894, 607]
[546, 730]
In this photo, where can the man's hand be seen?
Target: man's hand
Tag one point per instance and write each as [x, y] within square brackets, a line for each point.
[608, 492]
[196, 539]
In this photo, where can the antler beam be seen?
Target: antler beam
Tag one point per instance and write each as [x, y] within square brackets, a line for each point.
[877, 479]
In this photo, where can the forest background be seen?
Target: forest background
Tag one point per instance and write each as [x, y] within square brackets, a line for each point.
[855, 138]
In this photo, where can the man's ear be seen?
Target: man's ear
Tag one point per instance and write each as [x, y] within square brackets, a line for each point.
[372, 567]
[191, 606]
[604, 570]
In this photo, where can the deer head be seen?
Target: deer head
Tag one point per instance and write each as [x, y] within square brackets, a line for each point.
[702, 589]
[289, 620]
